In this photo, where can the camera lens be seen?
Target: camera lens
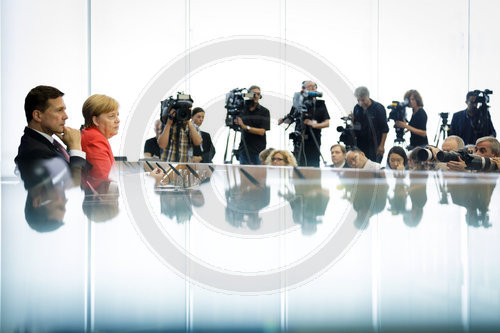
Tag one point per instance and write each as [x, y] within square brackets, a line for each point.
[424, 155]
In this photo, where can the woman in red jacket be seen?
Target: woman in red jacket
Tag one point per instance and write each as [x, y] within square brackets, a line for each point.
[101, 123]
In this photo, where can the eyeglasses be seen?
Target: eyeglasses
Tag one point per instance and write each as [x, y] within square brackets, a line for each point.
[274, 159]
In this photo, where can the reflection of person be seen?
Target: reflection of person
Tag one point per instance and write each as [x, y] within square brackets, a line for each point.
[281, 158]
[465, 123]
[103, 206]
[151, 148]
[309, 201]
[311, 128]
[205, 152]
[357, 160]
[46, 115]
[397, 159]
[178, 140]
[418, 196]
[418, 122]
[475, 196]
[46, 201]
[368, 198]
[246, 198]
[338, 153]
[254, 122]
[371, 115]
[101, 123]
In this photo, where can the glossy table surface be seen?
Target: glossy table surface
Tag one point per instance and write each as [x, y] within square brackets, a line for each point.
[228, 247]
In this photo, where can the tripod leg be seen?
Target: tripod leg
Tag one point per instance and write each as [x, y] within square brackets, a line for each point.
[245, 148]
[317, 145]
[227, 144]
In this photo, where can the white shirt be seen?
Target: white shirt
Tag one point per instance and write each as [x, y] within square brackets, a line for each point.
[72, 152]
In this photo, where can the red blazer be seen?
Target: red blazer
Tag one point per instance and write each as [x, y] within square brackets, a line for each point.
[99, 154]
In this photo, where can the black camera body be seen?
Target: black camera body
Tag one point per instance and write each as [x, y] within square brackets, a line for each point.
[398, 113]
[236, 100]
[398, 110]
[182, 105]
[347, 135]
[473, 161]
[303, 104]
[483, 96]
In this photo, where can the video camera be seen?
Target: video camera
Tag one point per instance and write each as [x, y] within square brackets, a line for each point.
[347, 135]
[182, 106]
[303, 104]
[483, 96]
[398, 113]
[474, 162]
[236, 100]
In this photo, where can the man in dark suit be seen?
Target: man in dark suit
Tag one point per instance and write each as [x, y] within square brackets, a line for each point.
[46, 115]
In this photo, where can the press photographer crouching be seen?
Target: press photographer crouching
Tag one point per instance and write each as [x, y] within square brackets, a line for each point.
[459, 158]
[310, 116]
[179, 136]
[473, 122]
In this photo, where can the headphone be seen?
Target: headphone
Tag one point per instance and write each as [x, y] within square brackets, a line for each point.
[304, 84]
[255, 87]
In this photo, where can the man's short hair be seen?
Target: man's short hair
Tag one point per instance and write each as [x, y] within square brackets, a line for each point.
[252, 87]
[37, 99]
[469, 94]
[494, 144]
[342, 147]
[458, 140]
[361, 92]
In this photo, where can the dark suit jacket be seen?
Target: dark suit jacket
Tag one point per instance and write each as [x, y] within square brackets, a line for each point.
[208, 148]
[35, 148]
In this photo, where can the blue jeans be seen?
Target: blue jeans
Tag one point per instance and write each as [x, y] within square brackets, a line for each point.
[254, 158]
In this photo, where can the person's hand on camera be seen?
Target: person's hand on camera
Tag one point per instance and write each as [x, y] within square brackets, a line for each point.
[457, 165]
[497, 162]
[171, 117]
[434, 150]
[401, 124]
[309, 122]
[240, 122]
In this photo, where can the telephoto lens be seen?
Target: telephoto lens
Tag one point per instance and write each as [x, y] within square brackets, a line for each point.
[480, 163]
[424, 155]
[445, 156]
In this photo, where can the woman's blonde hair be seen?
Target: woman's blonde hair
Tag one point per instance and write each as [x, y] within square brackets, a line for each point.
[96, 105]
[289, 159]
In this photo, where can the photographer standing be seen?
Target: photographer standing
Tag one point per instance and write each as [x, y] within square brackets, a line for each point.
[178, 139]
[472, 124]
[307, 151]
[373, 129]
[254, 122]
[418, 122]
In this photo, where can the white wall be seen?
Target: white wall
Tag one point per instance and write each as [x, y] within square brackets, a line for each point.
[441, 48]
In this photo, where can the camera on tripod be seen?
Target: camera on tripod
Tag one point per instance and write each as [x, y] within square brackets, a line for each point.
[303, 104]
[473, 162]
[482, 96]
[181, 104]
[347, 135]
[398, 113]
[236, 100]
